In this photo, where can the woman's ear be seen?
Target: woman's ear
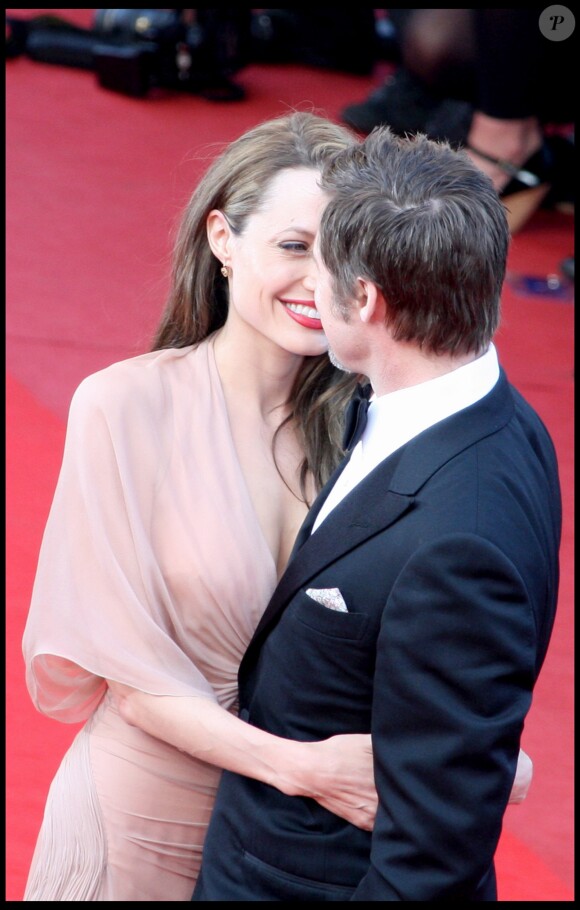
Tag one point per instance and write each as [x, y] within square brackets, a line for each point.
[218, 234]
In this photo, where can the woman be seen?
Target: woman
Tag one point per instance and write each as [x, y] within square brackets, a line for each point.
[186, 475]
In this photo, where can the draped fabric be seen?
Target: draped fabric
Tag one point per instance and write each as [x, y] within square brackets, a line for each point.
[153, 572]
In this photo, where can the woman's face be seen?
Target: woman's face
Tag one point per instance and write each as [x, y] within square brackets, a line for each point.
[271, 266]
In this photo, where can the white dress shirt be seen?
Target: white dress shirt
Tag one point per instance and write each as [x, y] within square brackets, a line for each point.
[395, 418]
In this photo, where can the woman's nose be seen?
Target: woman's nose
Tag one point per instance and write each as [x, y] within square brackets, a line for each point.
[309, 281]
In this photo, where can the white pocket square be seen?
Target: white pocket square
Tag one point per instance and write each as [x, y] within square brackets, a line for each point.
[328, 597]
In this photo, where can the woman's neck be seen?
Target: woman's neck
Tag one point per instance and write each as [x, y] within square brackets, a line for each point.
[254, 370]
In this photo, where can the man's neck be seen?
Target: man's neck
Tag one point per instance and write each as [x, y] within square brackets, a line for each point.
[405, 365]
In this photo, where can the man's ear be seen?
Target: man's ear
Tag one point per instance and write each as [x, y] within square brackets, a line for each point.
[218, 234]
[370, 301]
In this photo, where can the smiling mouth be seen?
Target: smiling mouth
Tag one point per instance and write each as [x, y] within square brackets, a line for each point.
[305, 314]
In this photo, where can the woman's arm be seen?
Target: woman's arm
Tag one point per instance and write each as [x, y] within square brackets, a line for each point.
[336, 772]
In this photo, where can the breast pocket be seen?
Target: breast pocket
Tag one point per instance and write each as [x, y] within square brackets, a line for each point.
[350, 626]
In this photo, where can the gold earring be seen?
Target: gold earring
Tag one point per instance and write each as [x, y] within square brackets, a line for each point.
[224, 271]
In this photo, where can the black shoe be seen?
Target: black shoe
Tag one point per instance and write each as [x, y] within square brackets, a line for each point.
[401, 102]
[450, 121]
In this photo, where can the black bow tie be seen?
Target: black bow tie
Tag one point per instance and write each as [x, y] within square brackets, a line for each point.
[356, 416]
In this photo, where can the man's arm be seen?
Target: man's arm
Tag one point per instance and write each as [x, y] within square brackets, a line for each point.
[453, 684]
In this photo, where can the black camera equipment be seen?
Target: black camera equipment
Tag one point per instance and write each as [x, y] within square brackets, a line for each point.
[135, 50]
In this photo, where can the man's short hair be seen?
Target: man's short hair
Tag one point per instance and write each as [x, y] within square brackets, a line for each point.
[427, 226]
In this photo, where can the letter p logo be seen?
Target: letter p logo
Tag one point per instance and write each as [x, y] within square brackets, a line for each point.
[557, 23]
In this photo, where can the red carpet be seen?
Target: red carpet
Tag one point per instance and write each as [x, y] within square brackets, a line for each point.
[95, 181]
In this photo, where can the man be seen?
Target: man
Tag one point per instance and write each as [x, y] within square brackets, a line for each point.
[421, 594]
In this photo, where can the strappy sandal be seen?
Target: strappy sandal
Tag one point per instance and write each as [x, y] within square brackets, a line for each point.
[528, 186]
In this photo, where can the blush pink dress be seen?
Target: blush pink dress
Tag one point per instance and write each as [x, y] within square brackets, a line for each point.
[153, 572]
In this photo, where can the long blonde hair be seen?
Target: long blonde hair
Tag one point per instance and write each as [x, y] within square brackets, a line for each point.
[235, 183]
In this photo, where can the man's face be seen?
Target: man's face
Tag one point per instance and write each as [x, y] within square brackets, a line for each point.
[338, 317]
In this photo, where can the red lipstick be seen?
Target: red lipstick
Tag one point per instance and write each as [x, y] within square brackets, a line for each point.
[299, 312]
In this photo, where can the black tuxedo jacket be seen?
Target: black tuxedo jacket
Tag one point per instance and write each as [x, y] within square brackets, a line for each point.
[447, 558]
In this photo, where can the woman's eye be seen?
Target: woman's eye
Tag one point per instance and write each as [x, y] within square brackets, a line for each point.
[294, 246]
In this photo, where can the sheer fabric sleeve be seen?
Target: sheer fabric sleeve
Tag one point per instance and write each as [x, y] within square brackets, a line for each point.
[101, 608]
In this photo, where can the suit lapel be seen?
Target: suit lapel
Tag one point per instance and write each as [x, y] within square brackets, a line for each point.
[373, 508]
[356, 518]
[306, 529]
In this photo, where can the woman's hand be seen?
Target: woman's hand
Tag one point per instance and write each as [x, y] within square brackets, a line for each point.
[343, 781]
[523, 778]
[339, 775]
